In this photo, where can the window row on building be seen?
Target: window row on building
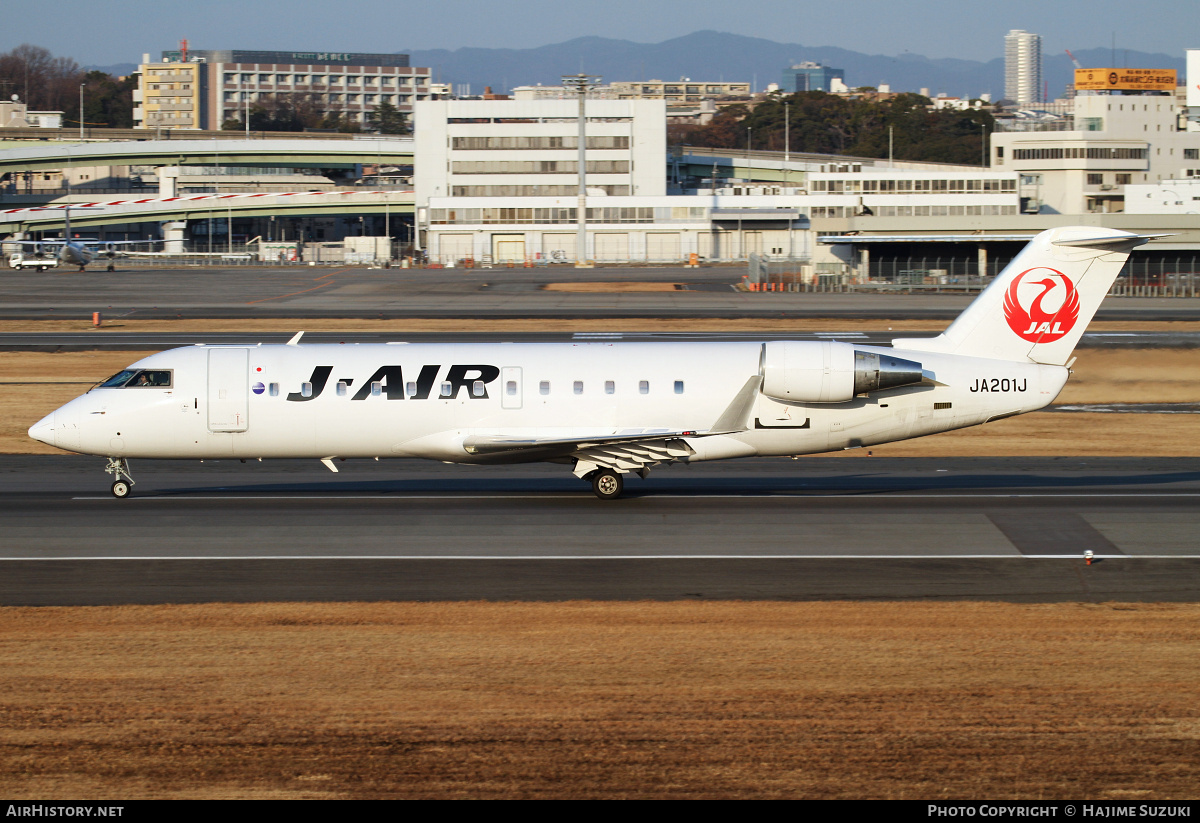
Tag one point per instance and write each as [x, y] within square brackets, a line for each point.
[573, 120]
[246, 78]
[537, 142]
[538, 167]
[532, 191]
[606, 214]
[913, 211]
[353, 99]
[1091, 153]
[908, 186]
[658, 214]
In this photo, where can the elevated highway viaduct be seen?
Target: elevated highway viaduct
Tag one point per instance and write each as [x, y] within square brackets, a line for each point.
[316, 153]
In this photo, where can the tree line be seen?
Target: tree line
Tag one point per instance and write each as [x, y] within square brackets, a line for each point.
[48, 83]
[822, 123]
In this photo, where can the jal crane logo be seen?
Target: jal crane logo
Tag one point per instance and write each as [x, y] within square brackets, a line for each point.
[1039, 324]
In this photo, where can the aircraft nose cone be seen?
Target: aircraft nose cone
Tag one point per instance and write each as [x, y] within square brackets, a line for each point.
[43, 430]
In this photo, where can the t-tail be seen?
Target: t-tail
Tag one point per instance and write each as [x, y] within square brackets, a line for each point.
[1040, 305]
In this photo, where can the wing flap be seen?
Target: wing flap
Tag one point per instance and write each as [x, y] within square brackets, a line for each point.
[500, 444]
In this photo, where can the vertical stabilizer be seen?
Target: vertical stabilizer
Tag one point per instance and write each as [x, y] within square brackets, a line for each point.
[1040, 305]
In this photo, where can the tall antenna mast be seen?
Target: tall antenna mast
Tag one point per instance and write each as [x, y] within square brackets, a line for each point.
[582, 83]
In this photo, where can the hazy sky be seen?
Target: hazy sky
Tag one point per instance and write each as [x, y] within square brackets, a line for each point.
[98, 33]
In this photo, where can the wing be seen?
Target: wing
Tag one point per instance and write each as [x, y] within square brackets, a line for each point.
[620, 452]
[623, 451]
[101, 245]
[544, 448]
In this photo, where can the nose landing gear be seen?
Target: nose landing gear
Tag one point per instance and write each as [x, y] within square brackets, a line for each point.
[123, 482]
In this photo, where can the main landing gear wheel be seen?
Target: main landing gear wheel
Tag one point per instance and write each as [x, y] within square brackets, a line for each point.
[607, 484]
[120, 489]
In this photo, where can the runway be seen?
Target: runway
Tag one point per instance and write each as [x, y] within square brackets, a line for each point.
[823, 528]
[346, 292]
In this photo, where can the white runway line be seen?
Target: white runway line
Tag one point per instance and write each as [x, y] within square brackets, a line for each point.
[1013, 556]
[582, 494]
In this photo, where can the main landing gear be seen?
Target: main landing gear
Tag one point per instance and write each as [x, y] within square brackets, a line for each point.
[607, 484]
[123, 482]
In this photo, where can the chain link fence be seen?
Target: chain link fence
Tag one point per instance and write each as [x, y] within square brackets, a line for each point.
[251, 254]
[1161, 274]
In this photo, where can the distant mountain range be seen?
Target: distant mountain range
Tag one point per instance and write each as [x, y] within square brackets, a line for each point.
[711, 55]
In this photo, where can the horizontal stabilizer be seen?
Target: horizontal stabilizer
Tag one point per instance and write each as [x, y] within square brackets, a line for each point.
[1124, 242]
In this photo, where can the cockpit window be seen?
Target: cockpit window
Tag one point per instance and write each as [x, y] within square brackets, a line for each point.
[118, 380]
[134, 378]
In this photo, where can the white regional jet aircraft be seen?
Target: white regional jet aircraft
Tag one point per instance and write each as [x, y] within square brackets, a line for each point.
[605, 409]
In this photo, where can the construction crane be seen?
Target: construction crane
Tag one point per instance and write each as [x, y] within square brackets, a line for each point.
[1073, 60]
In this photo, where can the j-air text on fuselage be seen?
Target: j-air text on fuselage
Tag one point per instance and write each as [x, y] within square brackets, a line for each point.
[606, 409]
[45, 254]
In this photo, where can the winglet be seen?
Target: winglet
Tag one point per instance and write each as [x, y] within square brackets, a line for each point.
[295, 341]
[736, 417]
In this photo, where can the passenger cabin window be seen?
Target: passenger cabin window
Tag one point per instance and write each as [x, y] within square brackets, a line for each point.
[341, 388]
[410, 389]
[579, 387]
[306, 389]
[377, 388]
[643, 387]
[477, 389]
[544, 387]
[273, 389]
[679, 387]
[139, 378]
[609, 387]
[446, 389]
[510, 388]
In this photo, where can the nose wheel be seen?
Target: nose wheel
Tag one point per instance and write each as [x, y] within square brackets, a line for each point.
[122, 485]
[607, 484]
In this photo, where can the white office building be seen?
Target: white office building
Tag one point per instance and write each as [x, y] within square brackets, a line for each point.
[1111, 141]
[1023, 67]
[529, 148]
[1165, 197]
[668, 229]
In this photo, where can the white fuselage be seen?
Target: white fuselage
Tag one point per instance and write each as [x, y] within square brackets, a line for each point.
[75, 254]
[389, 401]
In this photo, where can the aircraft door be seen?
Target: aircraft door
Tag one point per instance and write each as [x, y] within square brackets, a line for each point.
[228, 393]
[510, 387]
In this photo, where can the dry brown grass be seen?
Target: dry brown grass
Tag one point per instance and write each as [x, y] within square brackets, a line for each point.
[1101, 376]
[818, 700]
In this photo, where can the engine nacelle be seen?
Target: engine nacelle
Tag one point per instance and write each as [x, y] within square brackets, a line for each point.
[828, 372]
